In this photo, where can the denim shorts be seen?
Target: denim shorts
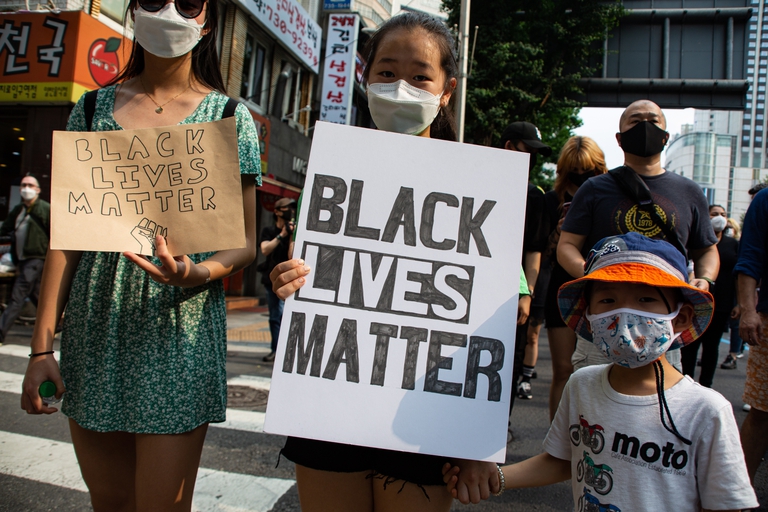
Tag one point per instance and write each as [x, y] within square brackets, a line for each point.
[414, 468]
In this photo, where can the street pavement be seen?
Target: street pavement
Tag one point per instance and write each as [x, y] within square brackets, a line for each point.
[239, 466]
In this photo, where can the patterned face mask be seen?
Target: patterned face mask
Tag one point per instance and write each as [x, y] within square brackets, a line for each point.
[632, 338]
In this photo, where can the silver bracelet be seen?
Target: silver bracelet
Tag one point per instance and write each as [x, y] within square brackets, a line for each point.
[502, 482]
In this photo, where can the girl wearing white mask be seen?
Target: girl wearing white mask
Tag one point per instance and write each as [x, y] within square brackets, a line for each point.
[725, 299]
[143, 346]
[410, 77]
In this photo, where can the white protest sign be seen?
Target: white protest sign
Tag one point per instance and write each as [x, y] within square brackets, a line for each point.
[114, 191]
[403, 336]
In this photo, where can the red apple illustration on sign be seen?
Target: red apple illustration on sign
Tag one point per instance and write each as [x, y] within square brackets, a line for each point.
[102, 60]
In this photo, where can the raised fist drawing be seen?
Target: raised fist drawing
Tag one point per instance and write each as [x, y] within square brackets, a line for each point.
[145, 233]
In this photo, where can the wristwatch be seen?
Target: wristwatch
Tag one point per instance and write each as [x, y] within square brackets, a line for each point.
[278, 237]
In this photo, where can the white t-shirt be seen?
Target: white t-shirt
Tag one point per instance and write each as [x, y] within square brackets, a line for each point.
[624, 457]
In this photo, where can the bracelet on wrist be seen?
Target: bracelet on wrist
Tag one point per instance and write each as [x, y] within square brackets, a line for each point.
[502, 482]
[710, 281]
[41, 353]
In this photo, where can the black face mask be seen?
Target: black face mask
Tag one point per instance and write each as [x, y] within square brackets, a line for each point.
[644, 139]
[579, 179]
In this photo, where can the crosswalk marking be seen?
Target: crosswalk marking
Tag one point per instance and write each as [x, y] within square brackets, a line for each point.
[20, 351]
[247, 421]
[54, 462]
[232, 346]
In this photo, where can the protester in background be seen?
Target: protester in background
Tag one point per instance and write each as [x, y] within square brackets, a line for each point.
[724, 292]
[736, 350]
[275, 243]
[580, 159]
[144, 346]
[29, 225]
[752, 273]
[611, 205]
[525, 138]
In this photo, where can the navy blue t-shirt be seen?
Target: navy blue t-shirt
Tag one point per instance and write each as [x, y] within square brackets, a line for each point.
[600, 209]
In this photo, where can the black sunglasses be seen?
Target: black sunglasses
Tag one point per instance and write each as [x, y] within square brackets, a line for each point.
[186, 8]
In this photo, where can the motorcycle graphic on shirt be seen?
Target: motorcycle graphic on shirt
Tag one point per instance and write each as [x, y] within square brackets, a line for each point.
[590, 503]
[597, 476]
[589, 435]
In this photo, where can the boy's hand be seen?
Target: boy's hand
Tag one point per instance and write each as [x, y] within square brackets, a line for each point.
[523, 309]
[476, 480]
[451, 478]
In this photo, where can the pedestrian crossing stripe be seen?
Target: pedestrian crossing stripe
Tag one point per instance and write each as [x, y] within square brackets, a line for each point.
[247, 421]
[54, 462]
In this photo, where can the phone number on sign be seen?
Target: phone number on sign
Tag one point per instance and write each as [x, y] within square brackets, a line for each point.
[297, 39]
[286, 23]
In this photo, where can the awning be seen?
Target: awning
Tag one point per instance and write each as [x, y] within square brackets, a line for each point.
[278, 188]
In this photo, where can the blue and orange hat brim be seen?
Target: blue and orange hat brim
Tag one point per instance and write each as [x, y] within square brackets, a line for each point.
[573, 304]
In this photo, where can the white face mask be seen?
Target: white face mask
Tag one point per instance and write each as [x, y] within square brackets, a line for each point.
[402, 108]
[28, 193]
[632, 338]
[718, 223]
[166, 33]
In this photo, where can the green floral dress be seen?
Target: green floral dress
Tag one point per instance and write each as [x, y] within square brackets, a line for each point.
[138, 356]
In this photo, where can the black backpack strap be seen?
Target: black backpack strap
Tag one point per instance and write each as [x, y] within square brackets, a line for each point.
[229, 108]
[89, 107]
[636, 189]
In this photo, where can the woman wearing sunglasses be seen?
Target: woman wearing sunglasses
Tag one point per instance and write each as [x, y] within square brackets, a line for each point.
[143, 348]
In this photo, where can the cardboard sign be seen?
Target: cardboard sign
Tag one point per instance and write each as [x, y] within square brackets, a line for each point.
[114, 191]
[403, 335]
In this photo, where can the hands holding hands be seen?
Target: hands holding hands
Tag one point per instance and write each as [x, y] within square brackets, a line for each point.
[471, 481]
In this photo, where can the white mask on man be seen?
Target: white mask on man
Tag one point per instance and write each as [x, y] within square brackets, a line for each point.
[28, 193]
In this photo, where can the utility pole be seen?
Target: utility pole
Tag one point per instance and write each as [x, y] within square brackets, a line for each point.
[461, 90]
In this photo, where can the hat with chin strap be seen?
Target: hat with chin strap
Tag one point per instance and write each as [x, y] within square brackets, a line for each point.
[634, 258]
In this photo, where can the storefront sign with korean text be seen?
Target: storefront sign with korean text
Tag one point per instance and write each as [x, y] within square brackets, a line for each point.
[339, 73]
[56, 57]
[403, 335]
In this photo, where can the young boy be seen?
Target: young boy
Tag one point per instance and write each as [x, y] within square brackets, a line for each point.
[637, 435]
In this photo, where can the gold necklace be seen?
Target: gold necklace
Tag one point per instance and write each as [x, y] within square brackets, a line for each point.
[159, 109]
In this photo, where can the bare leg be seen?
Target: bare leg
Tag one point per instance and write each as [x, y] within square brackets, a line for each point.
[532, 347]
[328, 491]
[754, 442]
[108, 464]
[562, 342]
[166, 469]
[396, 497]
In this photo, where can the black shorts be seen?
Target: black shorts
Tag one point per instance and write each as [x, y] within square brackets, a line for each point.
[558, 278]
[415, 468]
[538, 304]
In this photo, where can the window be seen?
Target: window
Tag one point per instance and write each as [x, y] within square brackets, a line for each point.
[114, 9]
[760, 88]
[745, 127]
[751, 53]
[254, 85]
[759, 117]
[750, 62]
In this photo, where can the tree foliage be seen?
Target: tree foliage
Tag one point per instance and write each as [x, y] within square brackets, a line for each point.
[528, 59]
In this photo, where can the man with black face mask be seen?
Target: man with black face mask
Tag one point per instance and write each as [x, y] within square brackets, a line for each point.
[524, 137]
[678, 212]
